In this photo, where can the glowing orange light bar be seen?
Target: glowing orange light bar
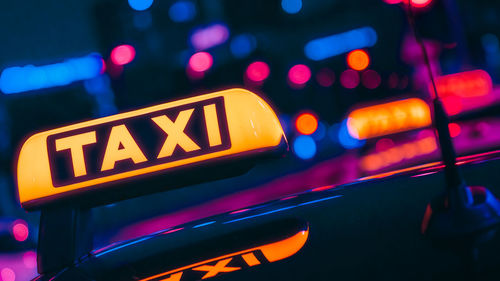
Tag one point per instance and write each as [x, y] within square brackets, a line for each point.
[466, 84]
[388, 118]
[227, 263]
[82, 157]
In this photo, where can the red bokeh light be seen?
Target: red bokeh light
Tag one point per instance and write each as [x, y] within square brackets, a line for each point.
[453, 105]
[393, 80]
[454, 129]
[420, 3]
[257, 71]
[370, 79]
[306, 123]
[358, 60]
[349, 79]
[20, 230]
[201, 61]
[325, 77]
[299, 74]
[122, 54]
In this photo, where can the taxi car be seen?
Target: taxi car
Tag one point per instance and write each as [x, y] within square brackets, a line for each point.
[373, 228]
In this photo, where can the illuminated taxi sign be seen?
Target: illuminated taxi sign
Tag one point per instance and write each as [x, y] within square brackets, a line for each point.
[236, 261]
[466, 84]
[388, 118]
[90, 155]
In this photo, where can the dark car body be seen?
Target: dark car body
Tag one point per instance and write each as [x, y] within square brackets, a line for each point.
[368, 229]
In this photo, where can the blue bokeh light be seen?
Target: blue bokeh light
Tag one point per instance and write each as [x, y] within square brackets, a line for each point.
[140, 5]
[304, 147]
[242, 45]
[26, 78]
[326, 47]
[143, 20]
[346, 140]
[291, 6]
[182, 11]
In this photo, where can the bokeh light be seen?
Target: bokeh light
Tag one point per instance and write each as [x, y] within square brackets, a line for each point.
[140, 5]
[242, 45]
[299, 74]
[182, 11]
[257, 71]
[420, 3]
[291, 6]
[20, 230]
[346, 140]
[201, 61]
[209, 36]
[122, 54]
[306, 123]
[336, 44]
[325, 77]
[29, 259]
[358, 60]
[349, 79]
[7, 274]
[454, 129]
[304, 147]
[370, 79]
[452, 104]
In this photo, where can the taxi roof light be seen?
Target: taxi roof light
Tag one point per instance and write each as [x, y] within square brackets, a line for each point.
[189, 134]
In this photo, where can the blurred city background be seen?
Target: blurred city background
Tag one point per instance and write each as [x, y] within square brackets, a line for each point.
[346, 78]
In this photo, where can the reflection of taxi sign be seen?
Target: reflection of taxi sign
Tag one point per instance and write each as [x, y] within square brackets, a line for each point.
[388, 118]
[255, 256]
[88, 156]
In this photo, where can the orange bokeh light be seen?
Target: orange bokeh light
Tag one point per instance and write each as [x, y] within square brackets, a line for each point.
[388, 118]
[306, 123]
[358, 60]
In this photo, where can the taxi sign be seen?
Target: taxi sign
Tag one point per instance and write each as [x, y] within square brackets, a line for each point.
[388, 118]
[90, 156]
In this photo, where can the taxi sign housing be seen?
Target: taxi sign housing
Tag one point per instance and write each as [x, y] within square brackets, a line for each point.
[186, 141]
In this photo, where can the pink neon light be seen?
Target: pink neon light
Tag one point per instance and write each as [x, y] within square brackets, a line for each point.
[258, 71]
[29, 259]
[7, 274]
[20, 230]
[122, 54]
[420, 3]
[299, 74]
[201, 61]
[288, 198]
[321, 188]
[173, 230]
[239, 211]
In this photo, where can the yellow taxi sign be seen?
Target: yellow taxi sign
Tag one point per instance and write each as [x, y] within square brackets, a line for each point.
[89, 156]
[388, 118]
